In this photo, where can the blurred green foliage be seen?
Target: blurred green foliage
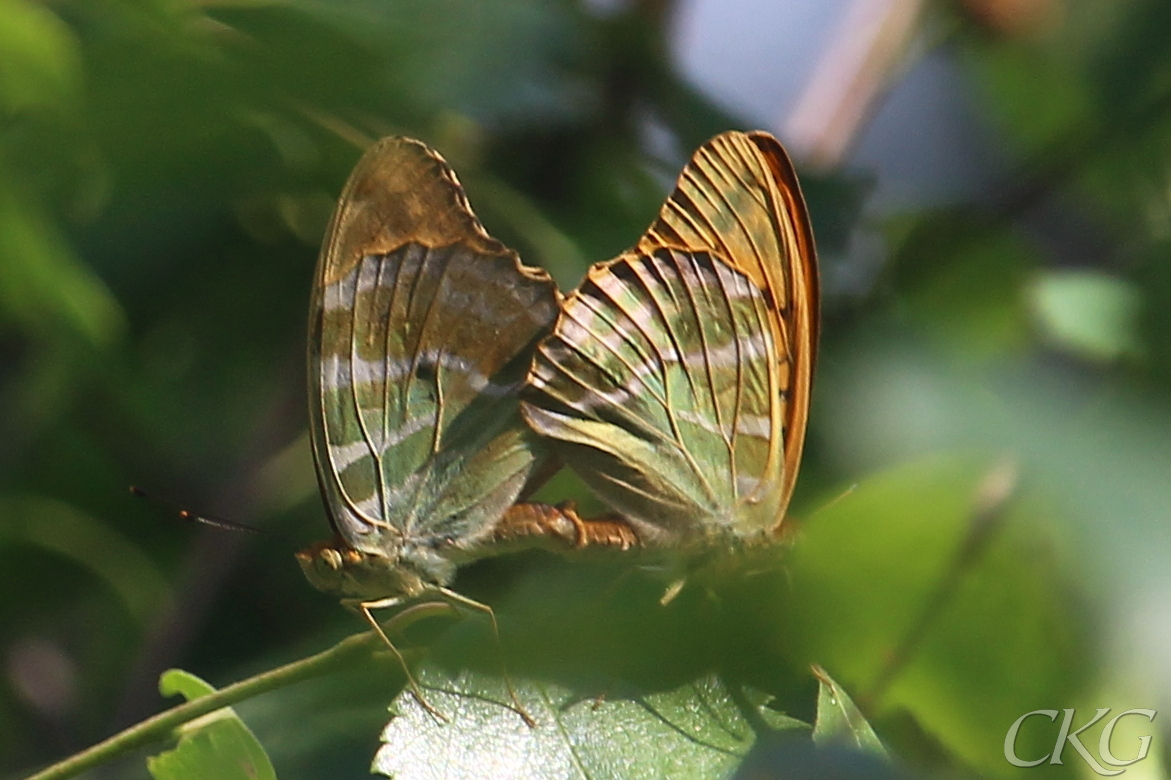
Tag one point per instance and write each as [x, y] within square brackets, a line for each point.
[166, 170]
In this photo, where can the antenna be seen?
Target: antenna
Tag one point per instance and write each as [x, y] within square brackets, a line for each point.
[190, 517]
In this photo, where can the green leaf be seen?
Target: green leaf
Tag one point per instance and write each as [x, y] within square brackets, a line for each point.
[839, 721]
[39, 52]
[177, 682]
[695, 730]
[1088, 313]
[926, 608]
[44, 286]
[217, 746]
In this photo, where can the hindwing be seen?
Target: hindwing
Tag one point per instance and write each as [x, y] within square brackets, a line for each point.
[676, 381]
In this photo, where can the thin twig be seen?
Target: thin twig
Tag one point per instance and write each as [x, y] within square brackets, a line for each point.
[991, 498]
[161, 726]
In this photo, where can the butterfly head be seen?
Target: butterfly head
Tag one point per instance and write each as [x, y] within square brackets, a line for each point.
[338, 569]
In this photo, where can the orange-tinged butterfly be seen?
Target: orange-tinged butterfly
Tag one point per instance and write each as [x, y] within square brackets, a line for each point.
[676, 381]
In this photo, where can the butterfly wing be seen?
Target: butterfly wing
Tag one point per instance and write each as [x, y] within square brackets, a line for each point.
[739, 197]
[676, 381]
[421, 329]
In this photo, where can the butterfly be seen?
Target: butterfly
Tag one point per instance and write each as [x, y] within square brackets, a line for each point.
[677, 378]
[421, 332]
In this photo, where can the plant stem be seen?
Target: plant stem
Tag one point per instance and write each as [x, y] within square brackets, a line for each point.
[991, 499]
[161, 726]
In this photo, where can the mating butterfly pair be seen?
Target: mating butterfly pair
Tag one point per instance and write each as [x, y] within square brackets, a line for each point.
[444, 374]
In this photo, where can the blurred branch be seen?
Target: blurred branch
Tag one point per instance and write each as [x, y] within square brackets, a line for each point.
[990, 500]
[852, 74]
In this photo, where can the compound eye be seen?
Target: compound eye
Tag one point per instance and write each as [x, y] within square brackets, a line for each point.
[331, 558]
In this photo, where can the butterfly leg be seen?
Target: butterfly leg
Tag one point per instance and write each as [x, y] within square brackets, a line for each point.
[366, 607]
[672, 591]
[517, 707]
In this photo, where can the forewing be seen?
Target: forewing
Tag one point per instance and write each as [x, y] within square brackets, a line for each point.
[677, 378]
[421, 329]
[739, 197]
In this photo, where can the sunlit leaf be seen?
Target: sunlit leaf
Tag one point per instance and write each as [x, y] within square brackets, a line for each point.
[694, 731]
